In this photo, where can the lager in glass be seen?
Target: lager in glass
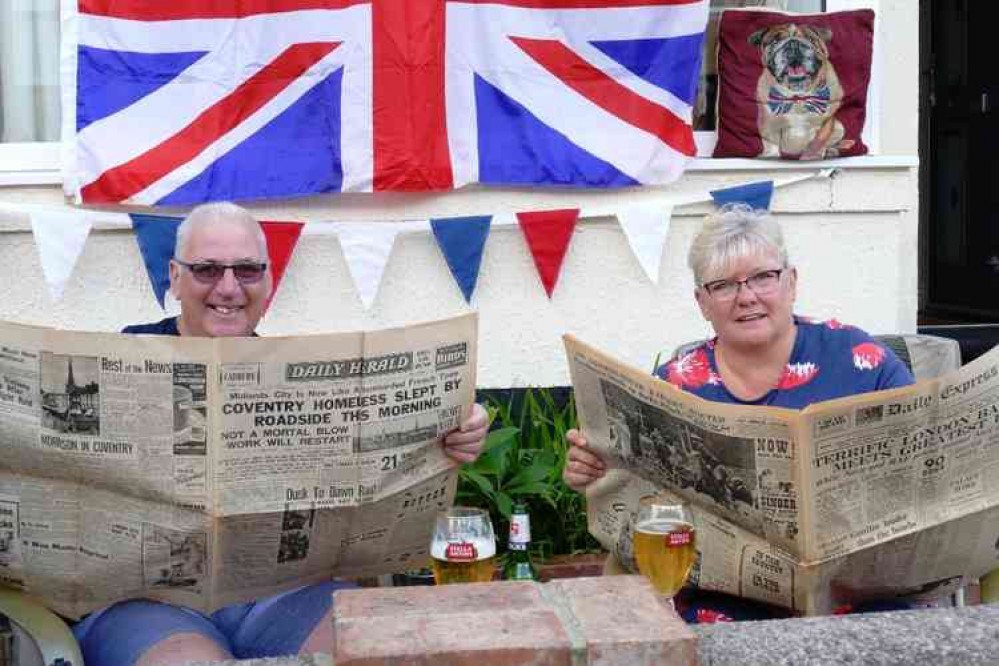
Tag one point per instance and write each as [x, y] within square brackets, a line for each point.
[665, 546]
[463, 549]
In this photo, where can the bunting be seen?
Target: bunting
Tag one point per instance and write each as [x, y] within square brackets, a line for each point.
[59, 237]
[157, 237]
[60, 234]
[282, 237]
[461, 240]
[646, 229]
[548, 234]
[757, 195]
[367, 247]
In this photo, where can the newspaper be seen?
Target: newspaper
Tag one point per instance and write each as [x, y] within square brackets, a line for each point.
[205, 472]
[893, 493]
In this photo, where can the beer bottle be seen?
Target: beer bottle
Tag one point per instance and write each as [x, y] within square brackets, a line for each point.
[518, 560]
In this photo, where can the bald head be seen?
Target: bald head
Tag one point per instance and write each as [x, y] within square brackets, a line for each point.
[217, 213]
[220, 272]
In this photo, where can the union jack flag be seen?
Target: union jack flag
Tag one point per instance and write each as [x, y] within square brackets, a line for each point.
[183, 101]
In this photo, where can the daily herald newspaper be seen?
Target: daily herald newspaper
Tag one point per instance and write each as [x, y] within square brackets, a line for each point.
[206, 472]
[894, 493]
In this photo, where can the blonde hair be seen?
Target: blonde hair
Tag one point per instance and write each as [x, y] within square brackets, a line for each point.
[734, 231]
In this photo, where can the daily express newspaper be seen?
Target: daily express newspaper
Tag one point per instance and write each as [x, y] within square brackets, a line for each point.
[894, 493]
[206, 472]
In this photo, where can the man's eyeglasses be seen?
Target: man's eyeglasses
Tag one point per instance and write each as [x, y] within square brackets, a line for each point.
[210, 272]
[761, 284]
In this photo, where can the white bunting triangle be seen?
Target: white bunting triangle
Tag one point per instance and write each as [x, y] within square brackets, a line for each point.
[60, 237]
[646, 228]
[366, 247]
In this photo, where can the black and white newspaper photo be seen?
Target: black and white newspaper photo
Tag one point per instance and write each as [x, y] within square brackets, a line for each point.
[207, 472]
[809, 509]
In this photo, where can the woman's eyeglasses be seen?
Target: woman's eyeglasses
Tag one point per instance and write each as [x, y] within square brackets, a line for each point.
[761, 283]
[210, 272]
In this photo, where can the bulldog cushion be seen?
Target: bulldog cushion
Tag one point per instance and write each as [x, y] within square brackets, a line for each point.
[793, 86]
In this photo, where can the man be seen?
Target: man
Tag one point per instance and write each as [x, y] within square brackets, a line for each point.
[221, 276]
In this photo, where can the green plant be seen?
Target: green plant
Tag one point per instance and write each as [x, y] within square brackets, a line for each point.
[523, 458]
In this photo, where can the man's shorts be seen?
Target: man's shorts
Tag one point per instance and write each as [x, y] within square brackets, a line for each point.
[272, 627]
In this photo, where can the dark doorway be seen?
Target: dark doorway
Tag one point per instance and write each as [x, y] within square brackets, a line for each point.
[959, 152]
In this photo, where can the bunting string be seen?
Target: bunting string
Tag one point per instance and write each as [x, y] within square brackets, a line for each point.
[60, 235]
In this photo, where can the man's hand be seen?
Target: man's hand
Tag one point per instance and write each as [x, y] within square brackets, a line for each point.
[465, 444]
[582, 465]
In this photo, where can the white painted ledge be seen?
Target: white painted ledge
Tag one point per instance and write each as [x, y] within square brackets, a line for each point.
[860, 162]
[34, 172]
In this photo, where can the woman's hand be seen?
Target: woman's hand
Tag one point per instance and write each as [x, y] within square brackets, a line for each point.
[582, 465]
[465, 444]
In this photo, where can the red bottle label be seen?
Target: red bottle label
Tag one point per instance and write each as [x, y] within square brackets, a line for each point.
[520, 529]
[461, 552]
[676, 539]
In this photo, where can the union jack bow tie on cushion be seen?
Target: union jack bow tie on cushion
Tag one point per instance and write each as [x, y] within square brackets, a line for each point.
[780, 103]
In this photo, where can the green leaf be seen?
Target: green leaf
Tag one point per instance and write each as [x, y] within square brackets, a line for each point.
[504, 504]
[527, 464]
[481, 482]
[532, 474]
[548, 459]
[493, 460]
[539, 488]
[499, 437]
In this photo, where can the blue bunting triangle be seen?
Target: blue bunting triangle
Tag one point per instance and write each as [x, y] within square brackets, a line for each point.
[461, 240]
[157, 236]
[757, 195]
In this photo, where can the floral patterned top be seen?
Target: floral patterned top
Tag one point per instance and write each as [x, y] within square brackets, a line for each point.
[829, 360]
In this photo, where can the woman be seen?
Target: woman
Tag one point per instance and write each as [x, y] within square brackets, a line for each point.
[762, 354]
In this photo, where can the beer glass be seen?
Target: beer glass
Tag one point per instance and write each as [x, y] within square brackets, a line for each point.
[464, 546]
[665, 545]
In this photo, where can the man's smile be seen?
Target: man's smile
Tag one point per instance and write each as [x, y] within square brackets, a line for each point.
[225, 310]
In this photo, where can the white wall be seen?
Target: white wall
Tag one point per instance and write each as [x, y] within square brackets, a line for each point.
[853, 238]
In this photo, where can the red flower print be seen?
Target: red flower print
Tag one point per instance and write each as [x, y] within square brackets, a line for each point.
[691, 370]
[868, 355]
[836, 325]
[797, 374]
[710, 616]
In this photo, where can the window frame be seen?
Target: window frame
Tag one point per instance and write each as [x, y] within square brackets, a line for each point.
[31, 163]
[26, 164]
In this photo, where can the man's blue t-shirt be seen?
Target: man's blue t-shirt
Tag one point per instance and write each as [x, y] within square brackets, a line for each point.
[829, 360]
[166, 326]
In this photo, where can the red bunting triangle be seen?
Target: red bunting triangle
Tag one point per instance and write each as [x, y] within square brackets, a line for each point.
[282, 237]
[548, 233]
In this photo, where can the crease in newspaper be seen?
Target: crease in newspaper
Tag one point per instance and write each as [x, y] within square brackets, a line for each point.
[871, 496]
[205, 472]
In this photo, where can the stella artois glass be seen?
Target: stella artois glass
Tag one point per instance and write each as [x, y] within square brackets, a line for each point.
[665, 545]
[464, 546]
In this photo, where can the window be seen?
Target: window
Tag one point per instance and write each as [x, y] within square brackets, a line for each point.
[29, 71]
[29, 92]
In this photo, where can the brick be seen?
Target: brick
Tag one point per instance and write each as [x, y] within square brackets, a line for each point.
[602, 621]
[626, 622]
[571, 566]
